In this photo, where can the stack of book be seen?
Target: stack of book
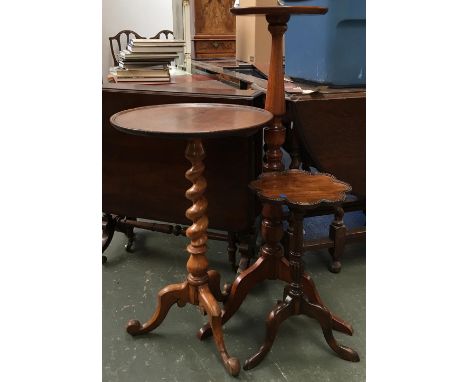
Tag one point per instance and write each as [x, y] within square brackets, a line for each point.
[147, 53]
[147, 60]
[140, 75]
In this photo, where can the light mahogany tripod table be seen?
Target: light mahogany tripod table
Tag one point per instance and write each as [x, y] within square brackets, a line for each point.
[193, 122]
[272, 265]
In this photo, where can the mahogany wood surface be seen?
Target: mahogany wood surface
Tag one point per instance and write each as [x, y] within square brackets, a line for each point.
[300, 189]
[191, 120]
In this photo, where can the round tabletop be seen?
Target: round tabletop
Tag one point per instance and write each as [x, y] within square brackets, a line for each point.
[280, 10]
[190, 120]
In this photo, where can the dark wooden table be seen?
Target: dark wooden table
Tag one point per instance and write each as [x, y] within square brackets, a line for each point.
[193, 122]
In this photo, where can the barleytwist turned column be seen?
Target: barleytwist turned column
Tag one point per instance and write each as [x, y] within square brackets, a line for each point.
[197, 264]
[204, 286]
[201, 287]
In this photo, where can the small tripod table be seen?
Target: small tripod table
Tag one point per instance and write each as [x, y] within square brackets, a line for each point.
[193, 122]
[301, 191]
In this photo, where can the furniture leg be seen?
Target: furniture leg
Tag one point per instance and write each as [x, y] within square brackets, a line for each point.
[166, 298]
[211, 307]
[247, 248]
[264, 268]
[325, 318]
[281, 312]
[310, 290]
[295, 290]
[214, 281]
[337, 233]
[245, 257]
[129, 232]
[232, 249]
[239, 290]
[108, 229]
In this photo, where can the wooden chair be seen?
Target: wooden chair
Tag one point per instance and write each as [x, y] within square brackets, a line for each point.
[131, 34]
[117, 39]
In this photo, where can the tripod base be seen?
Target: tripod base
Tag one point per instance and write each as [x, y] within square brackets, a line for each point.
[198, 295]
[294, 305]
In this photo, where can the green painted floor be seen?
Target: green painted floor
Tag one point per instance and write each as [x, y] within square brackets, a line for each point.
[172, 352]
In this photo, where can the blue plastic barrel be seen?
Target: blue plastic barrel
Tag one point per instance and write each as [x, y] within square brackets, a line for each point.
[331, 48]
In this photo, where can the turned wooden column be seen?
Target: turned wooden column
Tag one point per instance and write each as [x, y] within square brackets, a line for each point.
[275, 99]
[197, 263]
[277, 18]
[296, 264]
[272, 230]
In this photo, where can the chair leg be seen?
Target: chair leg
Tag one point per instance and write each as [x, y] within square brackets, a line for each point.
[337, 233]
[129, 232]
[108, 229]
[232, 249]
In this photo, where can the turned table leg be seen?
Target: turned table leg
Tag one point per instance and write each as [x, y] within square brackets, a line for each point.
[196, 289]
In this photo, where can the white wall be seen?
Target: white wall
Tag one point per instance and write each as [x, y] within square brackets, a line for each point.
[146, 17]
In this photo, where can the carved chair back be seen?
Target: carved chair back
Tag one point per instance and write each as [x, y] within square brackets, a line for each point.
[165, 32]
[117, 39]
[116, 44]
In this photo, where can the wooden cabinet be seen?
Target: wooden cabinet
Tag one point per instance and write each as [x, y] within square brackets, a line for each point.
[215, 29]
